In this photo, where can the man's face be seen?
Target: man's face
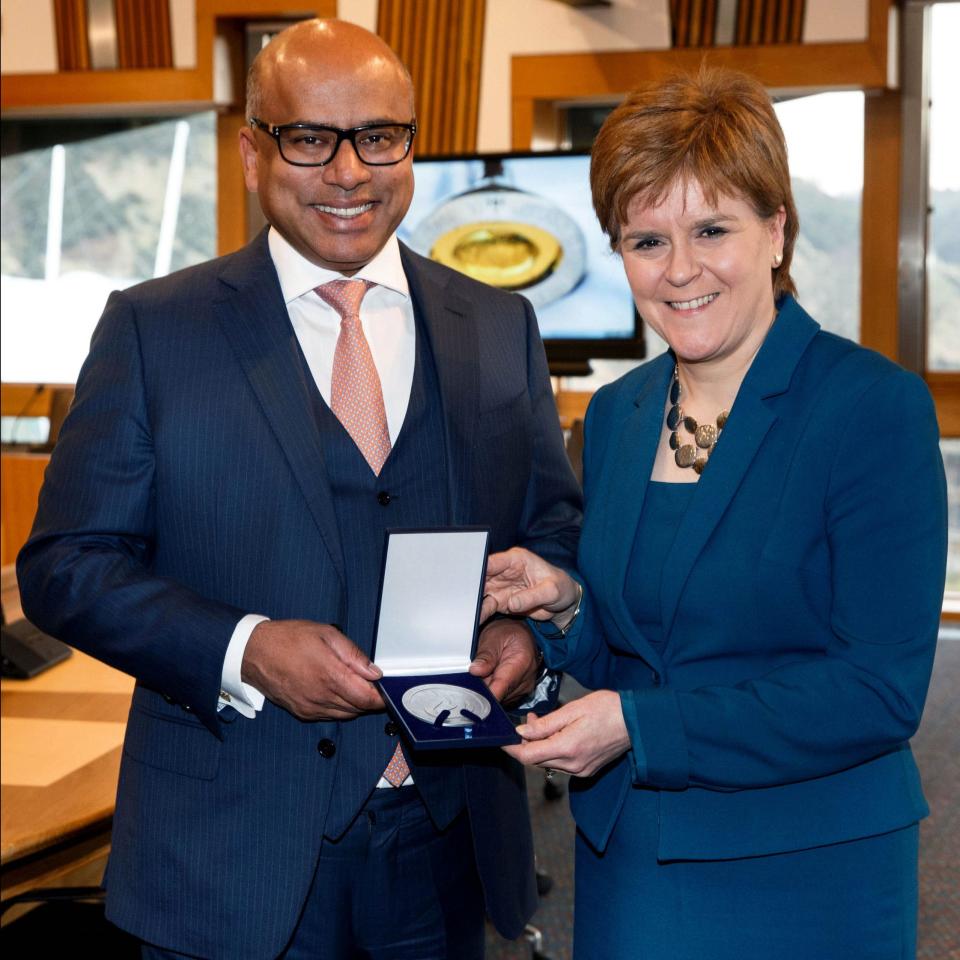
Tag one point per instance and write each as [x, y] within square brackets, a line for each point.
[340, 215]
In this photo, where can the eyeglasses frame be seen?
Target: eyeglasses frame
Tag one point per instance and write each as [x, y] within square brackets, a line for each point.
[274, 132]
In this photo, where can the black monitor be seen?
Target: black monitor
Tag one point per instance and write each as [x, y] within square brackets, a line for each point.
[525, 222]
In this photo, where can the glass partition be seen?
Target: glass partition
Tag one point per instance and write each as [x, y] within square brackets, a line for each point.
[82, 218]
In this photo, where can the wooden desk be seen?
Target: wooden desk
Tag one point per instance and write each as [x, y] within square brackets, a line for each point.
[572, 406]
[21, 476]
[61, 734]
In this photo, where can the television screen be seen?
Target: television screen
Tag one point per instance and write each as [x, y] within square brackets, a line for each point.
[525, 222]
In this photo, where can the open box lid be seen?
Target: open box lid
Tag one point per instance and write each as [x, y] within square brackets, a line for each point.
[430, 594]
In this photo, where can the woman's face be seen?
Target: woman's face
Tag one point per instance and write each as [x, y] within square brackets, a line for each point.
[701, 274]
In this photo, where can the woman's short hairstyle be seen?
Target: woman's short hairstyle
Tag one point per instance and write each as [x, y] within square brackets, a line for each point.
[717, 128]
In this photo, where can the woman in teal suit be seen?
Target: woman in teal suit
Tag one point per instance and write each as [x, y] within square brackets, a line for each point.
[759, 578]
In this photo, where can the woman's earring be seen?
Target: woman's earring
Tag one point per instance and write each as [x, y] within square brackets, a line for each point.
[777, 259]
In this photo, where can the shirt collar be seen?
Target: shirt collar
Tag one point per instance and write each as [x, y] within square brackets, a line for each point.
[299, 276]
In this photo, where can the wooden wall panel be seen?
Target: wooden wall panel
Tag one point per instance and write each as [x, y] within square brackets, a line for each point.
[442, 45]
[70, 17]
[705, 30]
[880, 222]
[795, 27]
[945, 388]
[540, 81]
[147, 90]
[143, 34]
[679, 22]
[694, 22]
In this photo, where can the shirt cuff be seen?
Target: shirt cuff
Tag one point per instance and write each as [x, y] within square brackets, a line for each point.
[545, 694]
[245, 699]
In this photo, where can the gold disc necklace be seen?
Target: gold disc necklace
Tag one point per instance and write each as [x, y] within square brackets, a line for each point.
[705, 435]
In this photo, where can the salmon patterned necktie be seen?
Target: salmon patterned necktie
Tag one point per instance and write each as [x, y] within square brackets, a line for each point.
[356, 398]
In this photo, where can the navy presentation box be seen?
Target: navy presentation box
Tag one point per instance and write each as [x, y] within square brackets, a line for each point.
[426, 636]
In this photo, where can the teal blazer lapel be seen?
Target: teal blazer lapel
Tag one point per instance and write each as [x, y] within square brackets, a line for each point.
[255, 321]
[622, 489]
[451, 330]
[751, 418]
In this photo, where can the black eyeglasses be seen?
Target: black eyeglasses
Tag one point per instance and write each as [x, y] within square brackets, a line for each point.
[315, 145]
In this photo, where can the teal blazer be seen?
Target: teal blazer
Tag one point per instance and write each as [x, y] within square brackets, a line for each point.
[800, 603]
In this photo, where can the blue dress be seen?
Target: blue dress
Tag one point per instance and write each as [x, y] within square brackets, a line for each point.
[844, 901]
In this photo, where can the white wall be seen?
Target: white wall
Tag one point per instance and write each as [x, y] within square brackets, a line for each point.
[361, 12]
[827, 20]
[183, 33]
[545, 26]
[28, 43]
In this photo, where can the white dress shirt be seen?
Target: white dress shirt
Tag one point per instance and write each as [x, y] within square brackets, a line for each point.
[386, 314]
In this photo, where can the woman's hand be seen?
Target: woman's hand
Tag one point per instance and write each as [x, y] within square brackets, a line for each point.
[522, 584]
[578, 739]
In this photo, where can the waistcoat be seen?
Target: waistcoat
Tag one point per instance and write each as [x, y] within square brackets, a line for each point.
[410, 492]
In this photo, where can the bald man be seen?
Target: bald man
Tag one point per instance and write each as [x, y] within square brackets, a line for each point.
[212, 523]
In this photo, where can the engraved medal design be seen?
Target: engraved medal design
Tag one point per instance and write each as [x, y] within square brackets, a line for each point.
[429, 700]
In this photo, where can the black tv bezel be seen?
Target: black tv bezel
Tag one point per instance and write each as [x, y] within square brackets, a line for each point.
[566, 356]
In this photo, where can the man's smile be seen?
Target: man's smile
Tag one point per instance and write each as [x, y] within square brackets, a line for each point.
[346, 213]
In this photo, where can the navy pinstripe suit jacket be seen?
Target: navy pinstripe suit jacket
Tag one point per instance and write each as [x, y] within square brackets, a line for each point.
[188, 489]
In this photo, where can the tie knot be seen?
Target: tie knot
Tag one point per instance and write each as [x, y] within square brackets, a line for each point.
[344, 295]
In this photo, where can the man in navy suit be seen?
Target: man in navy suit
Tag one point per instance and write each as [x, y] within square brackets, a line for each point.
[211, 525]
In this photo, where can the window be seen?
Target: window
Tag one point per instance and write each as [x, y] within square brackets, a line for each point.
[827, 188]
[951, 462]
[82, 218]
[943, 262]
[943, 252]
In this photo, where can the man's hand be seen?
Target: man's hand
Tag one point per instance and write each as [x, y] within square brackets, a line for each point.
[311, 670]
[507, 660]
[579, 738]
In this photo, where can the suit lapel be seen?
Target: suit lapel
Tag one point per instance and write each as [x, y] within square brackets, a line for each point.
[750, 420]
[255, 321]
[450, 327]
[622, 490]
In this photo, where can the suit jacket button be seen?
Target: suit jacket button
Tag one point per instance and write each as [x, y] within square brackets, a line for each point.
[656, 678]
[383, 498]
[326, 748]
[391, 729]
